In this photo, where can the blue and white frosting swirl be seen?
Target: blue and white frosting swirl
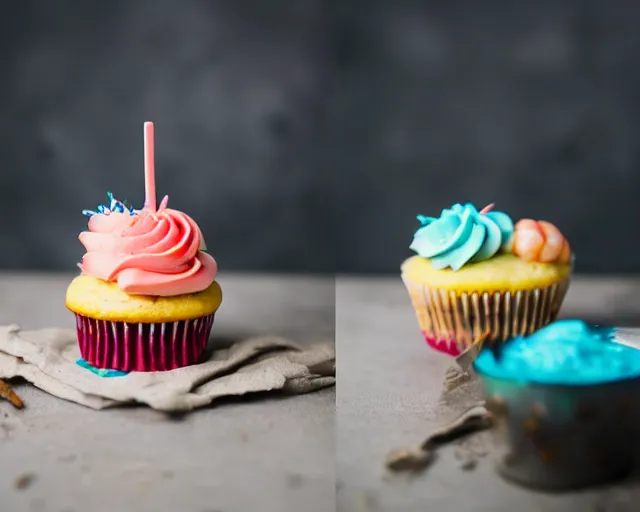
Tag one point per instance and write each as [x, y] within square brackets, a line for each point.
[461, 235]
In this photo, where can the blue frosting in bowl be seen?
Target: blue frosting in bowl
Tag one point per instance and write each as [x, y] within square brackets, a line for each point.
[569, 352]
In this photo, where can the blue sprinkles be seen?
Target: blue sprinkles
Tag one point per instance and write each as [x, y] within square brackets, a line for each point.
[114, 205]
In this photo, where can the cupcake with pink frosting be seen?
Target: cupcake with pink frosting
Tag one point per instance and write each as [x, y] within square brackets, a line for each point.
[147, 296]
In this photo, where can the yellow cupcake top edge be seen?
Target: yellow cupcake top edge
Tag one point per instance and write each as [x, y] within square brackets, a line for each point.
[95, 298]
[503, 272]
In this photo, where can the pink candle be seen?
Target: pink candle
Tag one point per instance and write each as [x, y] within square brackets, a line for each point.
[149, 169]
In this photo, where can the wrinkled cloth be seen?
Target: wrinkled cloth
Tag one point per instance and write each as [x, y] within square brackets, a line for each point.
[47, 358]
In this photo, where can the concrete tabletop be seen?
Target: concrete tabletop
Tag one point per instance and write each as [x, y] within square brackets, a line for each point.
[266, 454]
[389, 388]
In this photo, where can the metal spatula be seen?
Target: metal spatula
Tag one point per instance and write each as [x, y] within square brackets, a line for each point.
[466, 359]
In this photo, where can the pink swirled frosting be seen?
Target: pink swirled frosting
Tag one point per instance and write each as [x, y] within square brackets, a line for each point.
[146, 252]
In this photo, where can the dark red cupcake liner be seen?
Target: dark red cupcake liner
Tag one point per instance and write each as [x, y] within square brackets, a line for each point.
[446, 345]
[143, 347]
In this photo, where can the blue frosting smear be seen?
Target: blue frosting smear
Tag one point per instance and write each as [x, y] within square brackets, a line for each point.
[565, 352]
[461, 235]
[101, 372]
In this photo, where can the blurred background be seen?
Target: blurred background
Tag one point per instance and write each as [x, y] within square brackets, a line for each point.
[305, 135]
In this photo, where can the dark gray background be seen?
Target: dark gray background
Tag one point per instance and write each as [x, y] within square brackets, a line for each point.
[305, 135]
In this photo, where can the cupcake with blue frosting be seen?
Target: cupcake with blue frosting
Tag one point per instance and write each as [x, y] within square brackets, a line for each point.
[476, 273]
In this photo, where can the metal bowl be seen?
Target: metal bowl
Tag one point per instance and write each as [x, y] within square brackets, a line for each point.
[560, 437]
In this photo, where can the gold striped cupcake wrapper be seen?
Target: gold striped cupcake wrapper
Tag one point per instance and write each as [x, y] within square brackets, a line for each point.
[463, 317]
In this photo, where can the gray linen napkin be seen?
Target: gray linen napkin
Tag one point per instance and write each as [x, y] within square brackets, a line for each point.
[47, 358]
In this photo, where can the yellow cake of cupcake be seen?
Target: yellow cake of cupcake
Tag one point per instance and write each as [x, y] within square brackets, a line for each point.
[503, 272]
[477, 272]
[102, 300]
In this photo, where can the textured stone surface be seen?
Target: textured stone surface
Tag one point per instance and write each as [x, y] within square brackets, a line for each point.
[272, 454]
[390, 396]
[306, 135]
